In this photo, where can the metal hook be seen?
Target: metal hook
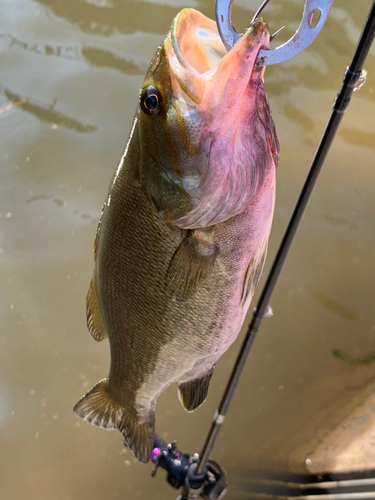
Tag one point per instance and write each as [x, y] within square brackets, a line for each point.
[302, 38]
[361, 80]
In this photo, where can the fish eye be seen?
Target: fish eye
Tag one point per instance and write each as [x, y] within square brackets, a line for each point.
[151, 101]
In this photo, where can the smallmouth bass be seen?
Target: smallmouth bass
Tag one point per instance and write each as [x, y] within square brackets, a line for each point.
[183, 234]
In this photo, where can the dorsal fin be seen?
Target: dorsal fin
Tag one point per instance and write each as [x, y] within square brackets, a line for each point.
[96, 242]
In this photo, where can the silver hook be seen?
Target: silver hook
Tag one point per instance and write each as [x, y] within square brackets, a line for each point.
[361, 80]
[302, 38]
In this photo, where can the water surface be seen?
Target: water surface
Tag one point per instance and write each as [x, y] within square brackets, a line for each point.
[69, 80]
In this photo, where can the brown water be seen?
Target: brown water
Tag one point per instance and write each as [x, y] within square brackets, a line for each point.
[70, 71]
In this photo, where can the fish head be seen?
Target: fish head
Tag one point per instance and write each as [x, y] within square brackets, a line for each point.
[206, 134]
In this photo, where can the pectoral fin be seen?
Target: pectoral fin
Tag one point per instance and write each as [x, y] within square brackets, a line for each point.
[192, 261]
[93, 313]
[253, 274]
[264, 114]
[193, 393]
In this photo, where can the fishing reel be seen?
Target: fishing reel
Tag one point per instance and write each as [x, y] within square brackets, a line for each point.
[181, 472]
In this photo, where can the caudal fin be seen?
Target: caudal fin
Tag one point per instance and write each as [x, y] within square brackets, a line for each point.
[99, 408]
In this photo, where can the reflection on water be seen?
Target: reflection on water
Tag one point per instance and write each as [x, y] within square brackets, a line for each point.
[57, 79]
[298, 116]
[343, 356]
[11, 106]
[58, 202]
[358, 137]
[105, 59]
[8, 42]
[117, 15]
[48, 114]
[335, 307]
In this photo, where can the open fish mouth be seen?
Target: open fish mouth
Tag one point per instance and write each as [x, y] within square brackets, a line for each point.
[213, 132]
[196, 52]
[196, 41]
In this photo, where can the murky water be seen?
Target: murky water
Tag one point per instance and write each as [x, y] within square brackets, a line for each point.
[70, 71]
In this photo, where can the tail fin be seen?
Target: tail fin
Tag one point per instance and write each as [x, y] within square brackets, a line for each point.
[99, 408]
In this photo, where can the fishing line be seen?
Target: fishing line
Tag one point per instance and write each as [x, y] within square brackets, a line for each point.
[196, 470]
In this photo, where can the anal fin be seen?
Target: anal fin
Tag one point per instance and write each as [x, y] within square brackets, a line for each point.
[192, 261]
[194, 392]
[93, 313]
[99, 408]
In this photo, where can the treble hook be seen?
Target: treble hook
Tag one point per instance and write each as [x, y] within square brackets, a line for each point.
[301, 39]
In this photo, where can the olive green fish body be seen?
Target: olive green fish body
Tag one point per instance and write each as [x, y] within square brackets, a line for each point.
[181, 242]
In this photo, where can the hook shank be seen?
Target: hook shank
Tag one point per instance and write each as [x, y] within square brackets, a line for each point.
[302, 38]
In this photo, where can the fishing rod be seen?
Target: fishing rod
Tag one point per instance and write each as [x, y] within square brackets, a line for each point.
[198, 474]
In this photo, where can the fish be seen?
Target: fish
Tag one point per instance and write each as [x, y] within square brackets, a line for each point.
[183, 234]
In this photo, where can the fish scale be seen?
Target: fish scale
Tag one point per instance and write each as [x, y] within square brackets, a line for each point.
[171, 293]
